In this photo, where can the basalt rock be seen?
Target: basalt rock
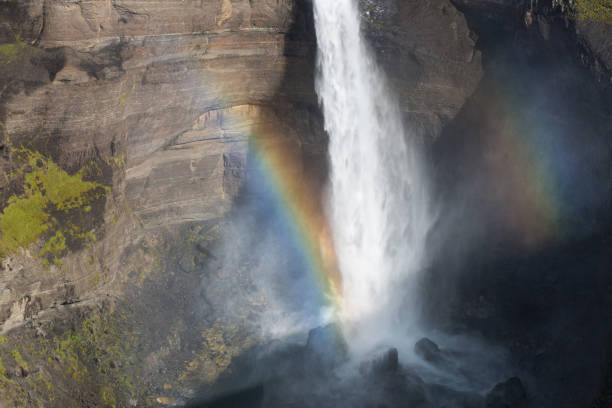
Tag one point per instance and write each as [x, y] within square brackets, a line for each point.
[547, 20]
[327, 345]
[428, 52]
[388, 362]
[156, 101]
[428, 350]
[524, 284]
[508, 394]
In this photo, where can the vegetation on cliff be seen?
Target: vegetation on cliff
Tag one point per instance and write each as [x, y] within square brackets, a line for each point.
[9, 52]
[50, 199]
[594, 10]
[98, 357]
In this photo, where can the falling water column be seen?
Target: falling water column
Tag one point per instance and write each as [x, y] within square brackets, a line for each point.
[377, 203]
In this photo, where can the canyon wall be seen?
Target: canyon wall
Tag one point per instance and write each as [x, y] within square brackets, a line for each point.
[154, 102]
[125, 144]
[520, 253]
[154, 99]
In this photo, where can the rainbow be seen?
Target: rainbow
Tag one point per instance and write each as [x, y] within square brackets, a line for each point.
[298, 202]
[530, 165]
[294, 201]
[529, 197]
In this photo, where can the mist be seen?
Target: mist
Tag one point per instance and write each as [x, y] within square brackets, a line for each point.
[360, 342]
[426, 239]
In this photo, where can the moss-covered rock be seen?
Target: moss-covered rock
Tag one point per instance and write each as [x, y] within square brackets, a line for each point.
[594, 10]
[98, 358]
[9, 53]
[50, 198]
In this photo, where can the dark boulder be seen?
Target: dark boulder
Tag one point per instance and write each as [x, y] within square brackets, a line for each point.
[508, 394]
[428, 350]
[327, 344]
[387, 363]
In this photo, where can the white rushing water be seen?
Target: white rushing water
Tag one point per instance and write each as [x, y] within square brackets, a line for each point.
[378, 205]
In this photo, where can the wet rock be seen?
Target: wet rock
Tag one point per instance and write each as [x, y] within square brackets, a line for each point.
[388, 363]
[442, 396]
[428, 350]
[168, 401]
[508, 394]
[327, 344]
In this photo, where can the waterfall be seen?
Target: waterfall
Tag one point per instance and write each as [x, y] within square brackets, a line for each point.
[377, 201]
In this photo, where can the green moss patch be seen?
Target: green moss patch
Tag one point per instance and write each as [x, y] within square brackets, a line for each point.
[98, 359]
[50, 196]
[594, 10]
[10, 52]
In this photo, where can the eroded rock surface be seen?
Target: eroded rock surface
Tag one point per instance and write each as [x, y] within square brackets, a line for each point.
[158, 101]
[428, 51]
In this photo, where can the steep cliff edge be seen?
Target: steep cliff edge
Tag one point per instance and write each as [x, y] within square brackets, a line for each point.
[150, 98]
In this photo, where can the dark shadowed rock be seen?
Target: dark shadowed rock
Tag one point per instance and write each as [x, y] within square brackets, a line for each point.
[388, 363]
[442, 396]
[427, 350]
[327, 344]
[509, 394]
[248, 398]
[429, 56]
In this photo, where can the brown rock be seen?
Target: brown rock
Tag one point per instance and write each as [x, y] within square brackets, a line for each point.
[162, 96]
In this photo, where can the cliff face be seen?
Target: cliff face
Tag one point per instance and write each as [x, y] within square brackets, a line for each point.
[154, 103]
[522, 174]
[158, 97]
[430, 57]
[126, 129]
[133, 79]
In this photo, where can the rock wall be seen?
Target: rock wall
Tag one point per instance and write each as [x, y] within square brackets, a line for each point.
[104, 302]
[159, 94]
[138, 78]
[429, 54]
[519, 254]
[157, 100]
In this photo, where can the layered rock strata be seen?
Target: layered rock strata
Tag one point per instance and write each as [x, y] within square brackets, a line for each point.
[157, 101]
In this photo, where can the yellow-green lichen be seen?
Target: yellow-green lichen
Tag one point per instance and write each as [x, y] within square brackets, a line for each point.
[220, 345]
[99, 356]
[49, 193]
[10, 52]
[54, 247]
[594, 10]
[108, 396]
[3, 377]
[117, 162]
[19, 359]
